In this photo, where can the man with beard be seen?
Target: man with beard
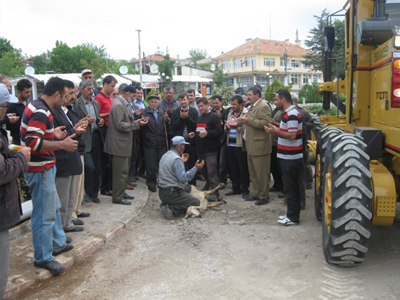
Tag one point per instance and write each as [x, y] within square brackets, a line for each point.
[38, 133]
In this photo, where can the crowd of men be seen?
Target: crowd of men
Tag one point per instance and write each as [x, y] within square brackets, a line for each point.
[77, 142]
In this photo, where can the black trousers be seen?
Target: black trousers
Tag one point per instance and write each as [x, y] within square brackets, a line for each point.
[106, 169]
[223, 164]
[134, 158]
[238, 169]
[276, 169]
[292, 172]
[152, 157]
[93, 166]
[191, 150]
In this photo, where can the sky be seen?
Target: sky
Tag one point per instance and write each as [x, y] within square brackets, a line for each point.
[179, 26]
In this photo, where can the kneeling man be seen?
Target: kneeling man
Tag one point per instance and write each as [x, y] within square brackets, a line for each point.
[173, 180]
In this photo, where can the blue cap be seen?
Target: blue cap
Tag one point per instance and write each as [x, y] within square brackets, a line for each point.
[4, 94]
[177, 140]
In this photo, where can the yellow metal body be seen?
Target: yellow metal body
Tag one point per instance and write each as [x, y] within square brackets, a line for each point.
[369, 94]
[384, 194]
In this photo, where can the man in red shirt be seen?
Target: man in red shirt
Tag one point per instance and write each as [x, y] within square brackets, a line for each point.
[105, 101]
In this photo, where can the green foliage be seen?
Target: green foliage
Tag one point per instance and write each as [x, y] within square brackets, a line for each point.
[197, 54]
[205, 66]
[5, 46]
[166, 66]
[310, 93]
[218, 77]
[318, 110]
[10, 63]
[40, 63]
[316, 44]
[271, 89]
[225, 91]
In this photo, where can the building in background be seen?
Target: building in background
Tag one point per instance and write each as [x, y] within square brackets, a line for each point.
[260, 61]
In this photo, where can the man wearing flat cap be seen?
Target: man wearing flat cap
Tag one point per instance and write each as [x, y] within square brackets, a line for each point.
[173, 180]
[118, 142]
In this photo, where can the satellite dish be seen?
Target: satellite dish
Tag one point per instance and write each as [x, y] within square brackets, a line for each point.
[123, 70]
[29, 71]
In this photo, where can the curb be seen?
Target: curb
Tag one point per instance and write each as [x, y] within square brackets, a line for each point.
[17, 283]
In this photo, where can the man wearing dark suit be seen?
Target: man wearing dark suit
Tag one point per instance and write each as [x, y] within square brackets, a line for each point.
[155, 140]
[258, 145]
[183, 121]
[119, 140]
[86, 106]
[68, 163]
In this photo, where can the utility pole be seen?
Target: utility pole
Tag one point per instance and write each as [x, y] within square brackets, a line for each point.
[140, 57]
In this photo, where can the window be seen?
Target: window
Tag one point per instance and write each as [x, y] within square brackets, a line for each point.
[317, 77]
[306, 66]
[282, 62]
[226, 64]
[237, 63]
[295, 79]
[251, 61]
[179, 70]
[246, 81]
[229, 81]
[269, 62]
[306, 78]
[295, 63]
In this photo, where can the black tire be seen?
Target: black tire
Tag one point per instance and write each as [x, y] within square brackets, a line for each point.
[346, 233]
[324, 136]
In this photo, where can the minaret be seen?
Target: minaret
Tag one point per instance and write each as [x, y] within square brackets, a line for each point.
[297, 42]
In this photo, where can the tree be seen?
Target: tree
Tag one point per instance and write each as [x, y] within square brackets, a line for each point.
[5, 46]
[273, 87]
[204, 66]
[218, 76]
[225, 91]
[11, 63]
[166, 66]
[40, 63]
[310, 93]
[197, 54]
[316, 44]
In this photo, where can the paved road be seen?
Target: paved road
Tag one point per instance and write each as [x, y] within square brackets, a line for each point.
[237, 251]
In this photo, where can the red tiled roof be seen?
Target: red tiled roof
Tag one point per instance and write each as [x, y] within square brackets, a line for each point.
[264, 46]
[154, 57]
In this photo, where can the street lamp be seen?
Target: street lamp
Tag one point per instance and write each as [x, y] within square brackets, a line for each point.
[269, 76]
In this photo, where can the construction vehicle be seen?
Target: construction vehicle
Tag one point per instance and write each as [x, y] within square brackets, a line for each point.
[357, 171]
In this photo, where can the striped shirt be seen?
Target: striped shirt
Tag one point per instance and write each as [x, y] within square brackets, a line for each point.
[37, 125]
[291, 122]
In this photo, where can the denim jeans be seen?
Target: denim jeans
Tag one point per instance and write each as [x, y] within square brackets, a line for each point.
[47, 232]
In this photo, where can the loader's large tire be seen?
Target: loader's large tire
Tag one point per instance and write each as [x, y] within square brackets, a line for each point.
[324, 136]
[347, 201]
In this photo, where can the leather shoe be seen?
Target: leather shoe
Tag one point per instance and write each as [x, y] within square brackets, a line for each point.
[53, 266]
[87, 199]
[252, 198]
[74, 229]
[129, 187]
[67, 248]
[132, 184]
[261, 202]
[274, 189]
[152, 189]
[231, 193]
[106, 193]
[123, 202]
[96, 200]
[69, 240]
[78, 222]
[128, 197]
[245, 195]
[83, 215]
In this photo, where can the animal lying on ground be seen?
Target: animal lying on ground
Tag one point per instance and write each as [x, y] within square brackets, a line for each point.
[194, 211]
